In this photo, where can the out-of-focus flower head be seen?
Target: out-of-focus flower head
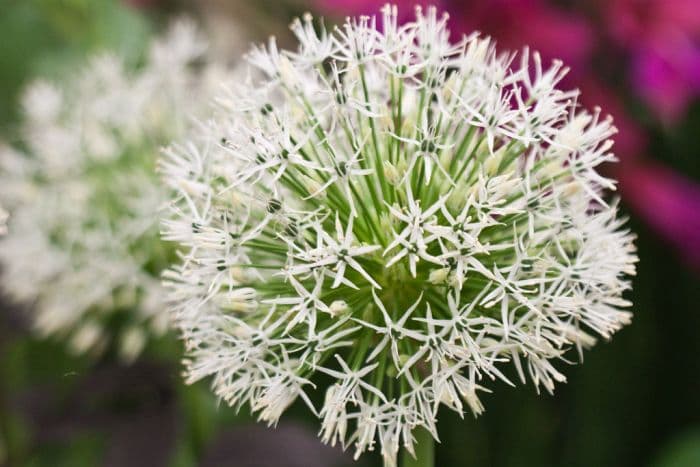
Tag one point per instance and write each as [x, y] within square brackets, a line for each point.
[83, 193]
[555, 33]
[663, 39]
[396, 213]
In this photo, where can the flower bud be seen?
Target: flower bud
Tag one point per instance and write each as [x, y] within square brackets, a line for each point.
[337, 308]
[391, 173]
[438, 276]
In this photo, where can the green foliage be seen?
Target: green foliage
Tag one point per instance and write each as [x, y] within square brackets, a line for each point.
[681, 451]
[47, 37]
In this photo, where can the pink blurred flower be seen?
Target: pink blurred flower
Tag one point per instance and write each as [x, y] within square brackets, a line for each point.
[667, 77]
[632, 20]
[663, 40]
[555, 33]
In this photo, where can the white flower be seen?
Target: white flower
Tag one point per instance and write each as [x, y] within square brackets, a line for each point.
[84, 196]
[328, 251]
[412, 214]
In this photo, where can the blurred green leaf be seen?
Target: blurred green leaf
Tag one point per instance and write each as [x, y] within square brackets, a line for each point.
[681, 451]
[83, 451]
[48, 37]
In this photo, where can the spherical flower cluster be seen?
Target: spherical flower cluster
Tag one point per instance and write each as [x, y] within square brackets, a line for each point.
[389, 218]
[81, 185]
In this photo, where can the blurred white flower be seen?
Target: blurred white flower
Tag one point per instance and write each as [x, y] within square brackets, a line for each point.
[399, 213]
[84, 195]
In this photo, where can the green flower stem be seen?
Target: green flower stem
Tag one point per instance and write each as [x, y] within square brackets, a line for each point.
[425, 450]
[377, 156]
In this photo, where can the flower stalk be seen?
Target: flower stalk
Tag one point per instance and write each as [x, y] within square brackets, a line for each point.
[424, 450]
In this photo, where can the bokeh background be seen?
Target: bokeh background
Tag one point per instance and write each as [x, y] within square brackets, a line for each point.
[635, 401]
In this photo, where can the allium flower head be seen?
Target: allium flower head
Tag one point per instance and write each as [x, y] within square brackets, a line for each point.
[398, 215]
[83, 192]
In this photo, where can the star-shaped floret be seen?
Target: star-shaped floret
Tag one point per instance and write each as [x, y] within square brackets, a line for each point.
[334, 255]
[412, 238]
[392, 331]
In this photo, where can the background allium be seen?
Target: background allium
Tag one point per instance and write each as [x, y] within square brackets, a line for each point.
[397, 214]
[83, 192]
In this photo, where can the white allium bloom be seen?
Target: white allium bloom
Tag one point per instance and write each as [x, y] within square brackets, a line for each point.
[399, 215]
[82, 188]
